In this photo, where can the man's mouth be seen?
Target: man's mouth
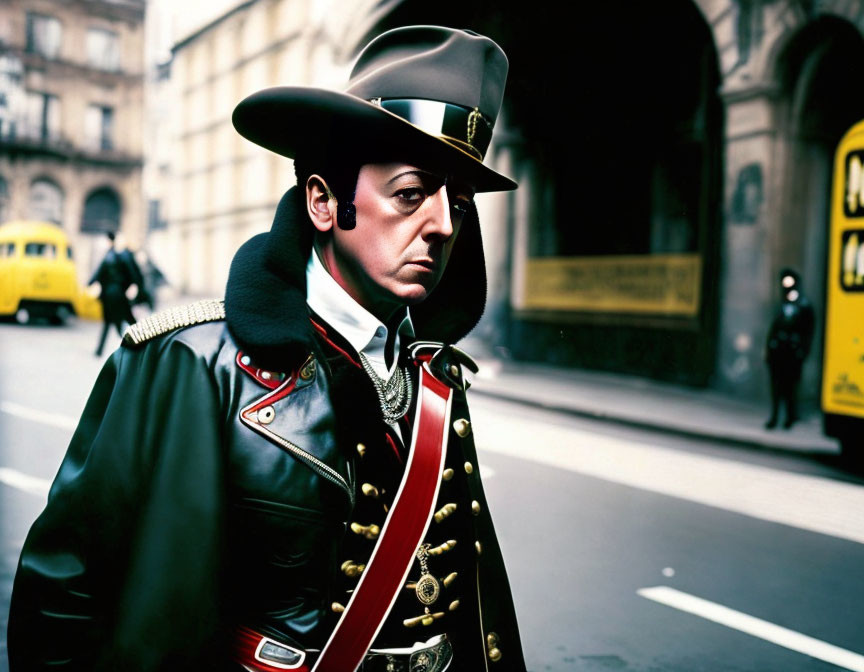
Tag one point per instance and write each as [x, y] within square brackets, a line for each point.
[425, 262]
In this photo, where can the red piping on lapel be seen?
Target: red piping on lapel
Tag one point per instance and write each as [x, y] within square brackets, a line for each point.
[321, 330]
[272, 383]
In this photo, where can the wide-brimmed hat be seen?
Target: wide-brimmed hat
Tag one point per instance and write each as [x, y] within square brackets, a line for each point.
[425, 91]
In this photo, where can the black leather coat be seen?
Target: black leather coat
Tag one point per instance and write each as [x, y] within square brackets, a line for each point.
[180, 512]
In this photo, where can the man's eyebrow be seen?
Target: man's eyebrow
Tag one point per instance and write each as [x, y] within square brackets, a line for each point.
[418, 173]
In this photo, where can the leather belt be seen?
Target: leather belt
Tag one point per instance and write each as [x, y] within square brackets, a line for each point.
[432, 656]
[264, 654]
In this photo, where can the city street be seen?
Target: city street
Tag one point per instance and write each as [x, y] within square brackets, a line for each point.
[627, 550]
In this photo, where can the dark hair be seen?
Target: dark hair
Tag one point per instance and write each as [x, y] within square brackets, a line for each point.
[340, 175]
[339, 161]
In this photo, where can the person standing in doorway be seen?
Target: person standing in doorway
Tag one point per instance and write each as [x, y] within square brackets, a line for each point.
[789, 341]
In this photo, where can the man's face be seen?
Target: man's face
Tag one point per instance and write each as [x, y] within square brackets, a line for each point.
[407, 222]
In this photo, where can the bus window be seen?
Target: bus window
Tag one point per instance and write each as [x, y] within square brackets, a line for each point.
[7, 250]
[44, 250]
[69, 252]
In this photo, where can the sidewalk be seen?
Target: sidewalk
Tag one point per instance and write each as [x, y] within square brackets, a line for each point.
[638, 402]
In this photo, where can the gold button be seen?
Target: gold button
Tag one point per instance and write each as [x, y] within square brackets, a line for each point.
[338, 608]
[361, 449]
[308, 370]
[494, 655]
[428, 620]
[454, 605]
[469, 468]
[447, 475]
[369, 490]
[266, 375]
[445, 511]
[368, 531]
[266, 415]
[454, 370]
[462, 427]
[478, 547]
[492, 640]
[475, 507]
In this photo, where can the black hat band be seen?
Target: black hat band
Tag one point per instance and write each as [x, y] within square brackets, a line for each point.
[466, 128]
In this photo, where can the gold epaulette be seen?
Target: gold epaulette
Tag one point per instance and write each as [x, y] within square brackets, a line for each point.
[208, 310]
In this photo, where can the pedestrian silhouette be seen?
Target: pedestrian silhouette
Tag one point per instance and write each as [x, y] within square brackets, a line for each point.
[789, 341]
[115, 276]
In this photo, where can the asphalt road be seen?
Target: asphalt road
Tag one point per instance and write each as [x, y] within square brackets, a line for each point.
[626, 550]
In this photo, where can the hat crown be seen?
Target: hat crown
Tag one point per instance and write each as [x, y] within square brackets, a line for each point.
[459, 67]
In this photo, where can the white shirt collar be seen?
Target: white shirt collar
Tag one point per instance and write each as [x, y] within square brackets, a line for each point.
[365, 332]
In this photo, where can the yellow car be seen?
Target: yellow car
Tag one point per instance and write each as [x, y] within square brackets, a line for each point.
[37, 274]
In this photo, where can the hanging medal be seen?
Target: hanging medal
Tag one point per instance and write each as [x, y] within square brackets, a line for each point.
[427, 588]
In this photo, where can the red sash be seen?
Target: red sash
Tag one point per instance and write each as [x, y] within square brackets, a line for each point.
[393, 557]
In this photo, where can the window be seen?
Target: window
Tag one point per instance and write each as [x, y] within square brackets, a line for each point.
[154, 215]
[46, 201]
[4, 199]
[101, 211]
[11, 94]
[99, 127]
[44, 250]
[7, 250]
[43, 35]
[103, 49]
[42, 117]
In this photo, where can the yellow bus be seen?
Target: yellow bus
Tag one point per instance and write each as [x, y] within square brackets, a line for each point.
[843, 361]
[37, 274]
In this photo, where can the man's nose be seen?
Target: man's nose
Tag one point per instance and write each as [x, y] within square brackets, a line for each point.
[440, 221]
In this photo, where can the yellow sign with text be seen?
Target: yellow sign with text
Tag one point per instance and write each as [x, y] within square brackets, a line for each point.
[843, 360]
[657, 284]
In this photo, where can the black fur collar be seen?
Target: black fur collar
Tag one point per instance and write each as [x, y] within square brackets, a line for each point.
[265, 300]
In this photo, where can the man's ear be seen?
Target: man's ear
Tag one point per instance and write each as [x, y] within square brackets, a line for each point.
[320, 203]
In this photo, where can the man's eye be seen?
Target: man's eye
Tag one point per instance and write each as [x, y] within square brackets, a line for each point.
[412, 196]
[461, 207]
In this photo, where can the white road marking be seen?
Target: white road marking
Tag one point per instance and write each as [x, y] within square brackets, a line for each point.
[756, 627]
[807, 502]
[24, 482]
[35, 415]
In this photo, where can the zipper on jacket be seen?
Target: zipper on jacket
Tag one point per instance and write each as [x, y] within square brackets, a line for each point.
[314, 463]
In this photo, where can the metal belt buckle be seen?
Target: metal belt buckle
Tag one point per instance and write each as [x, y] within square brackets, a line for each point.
[432, 656]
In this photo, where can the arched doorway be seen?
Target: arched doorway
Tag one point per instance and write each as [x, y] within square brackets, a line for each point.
[614, 131]
[46, 201]
[101, 211]
[816, 108]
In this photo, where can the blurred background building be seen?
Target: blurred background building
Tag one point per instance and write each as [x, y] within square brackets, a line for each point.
[71, 115]
[672, 157]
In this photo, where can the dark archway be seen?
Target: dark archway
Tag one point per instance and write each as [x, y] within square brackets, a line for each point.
[817, 107]
[615, 129]
[101, 211]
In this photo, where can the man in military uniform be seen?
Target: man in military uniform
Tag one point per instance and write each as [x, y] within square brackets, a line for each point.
[288, 480]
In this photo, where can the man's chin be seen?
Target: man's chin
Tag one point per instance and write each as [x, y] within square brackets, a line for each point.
[415, 293]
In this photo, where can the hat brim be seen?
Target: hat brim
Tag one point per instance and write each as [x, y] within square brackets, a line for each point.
[286, 119]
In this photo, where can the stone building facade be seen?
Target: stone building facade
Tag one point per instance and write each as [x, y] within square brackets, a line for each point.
[672, 157]
[71, 114]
